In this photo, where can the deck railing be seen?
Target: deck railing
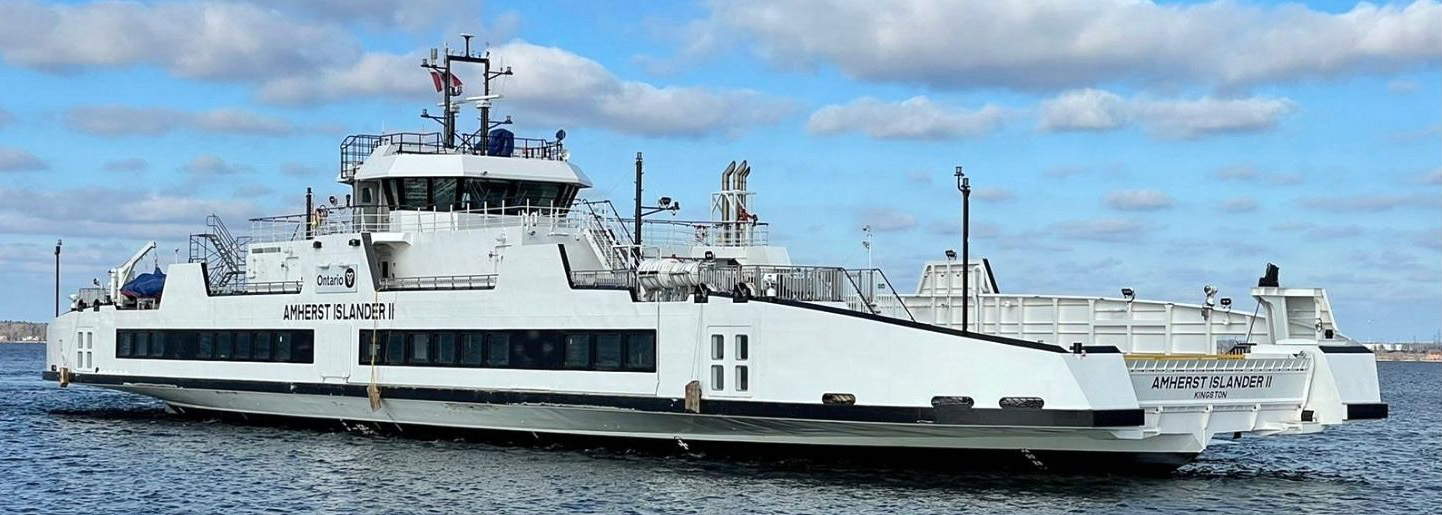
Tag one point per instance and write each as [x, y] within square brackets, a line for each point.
[440, 282]
[260, 288]
[356, 148]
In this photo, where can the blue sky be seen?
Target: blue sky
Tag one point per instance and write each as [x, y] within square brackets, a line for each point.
[1154, 146]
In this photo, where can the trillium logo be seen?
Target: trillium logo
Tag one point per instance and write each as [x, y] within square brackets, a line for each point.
[349, 277]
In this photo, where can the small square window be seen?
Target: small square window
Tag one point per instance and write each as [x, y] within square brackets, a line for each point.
[284, 348]
[718, 377]
[124, 347]
[445, 349]
[396, 348]
[498, 350]
[420, 348]
[743, 379]
[718, 346]
[641, 352]
[261, 350]
[608, 351]
[473, 350]
[578, 351]
[205, 347]
[743, 349]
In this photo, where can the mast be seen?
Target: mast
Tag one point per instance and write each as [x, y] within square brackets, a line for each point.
[443, 65]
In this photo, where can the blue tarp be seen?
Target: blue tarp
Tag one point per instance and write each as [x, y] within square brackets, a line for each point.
[145, 286]
[502, 143]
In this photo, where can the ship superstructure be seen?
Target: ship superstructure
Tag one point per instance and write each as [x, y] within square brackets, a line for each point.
[465, 282]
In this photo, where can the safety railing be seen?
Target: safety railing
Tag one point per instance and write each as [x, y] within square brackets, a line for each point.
[363, 219]
[258, 288]
[604, 279]
[440, 282]
[356, 148]
[680, 233]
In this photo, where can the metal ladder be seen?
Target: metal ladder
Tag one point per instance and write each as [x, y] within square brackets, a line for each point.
[223, 254]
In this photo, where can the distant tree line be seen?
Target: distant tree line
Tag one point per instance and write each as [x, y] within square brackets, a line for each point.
[17, 331]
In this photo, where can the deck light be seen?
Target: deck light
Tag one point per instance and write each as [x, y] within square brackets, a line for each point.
[1128, 294]
[951, 254]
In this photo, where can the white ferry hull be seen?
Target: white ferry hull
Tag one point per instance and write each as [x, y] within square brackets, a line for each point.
[1034, 444]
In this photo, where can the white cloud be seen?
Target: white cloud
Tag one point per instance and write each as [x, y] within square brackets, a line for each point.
[20, 160]
[116, 120]
[1242, 204]
[127, 214]
[914, 118]
[411, 15]
[1101, 229]
[552, 86]
[1372, 202]
[204, 40]
[129, 164]
[210, 165]
[1093, 110]
[888, 220]
[1138, 200]
[1083, 110]
[995, 194]
[1055, 45]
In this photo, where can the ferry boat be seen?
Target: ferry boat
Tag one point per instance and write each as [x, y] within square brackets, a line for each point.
[463, 282]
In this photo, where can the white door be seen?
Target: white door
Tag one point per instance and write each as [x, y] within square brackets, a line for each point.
[729, 366]
[335, 351]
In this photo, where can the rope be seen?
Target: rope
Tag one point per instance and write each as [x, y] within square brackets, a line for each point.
[373, 391]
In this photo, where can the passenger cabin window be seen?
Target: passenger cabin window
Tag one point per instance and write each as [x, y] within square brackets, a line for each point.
[596, 350]
[279, 346]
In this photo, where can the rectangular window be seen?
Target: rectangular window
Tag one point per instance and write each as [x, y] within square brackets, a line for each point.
[303, 350]
[718, 377]
[445, 349]
[244, 343]
[142, 345]
[157, 344]
[370, 341]
[205, 347]
[743, 381]
[743, 349]
[530, 349]
[473, 350]
[578, 351]
[125, 344]
[498, 350]
[396, 348]
[225, 345]
[641, 352]
[420, 346]
[261, 347]
[229, 345]
[285, 347]
[608, 351]
[718, 346]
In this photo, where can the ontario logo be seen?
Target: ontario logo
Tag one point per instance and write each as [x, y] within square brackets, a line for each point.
[335, 279]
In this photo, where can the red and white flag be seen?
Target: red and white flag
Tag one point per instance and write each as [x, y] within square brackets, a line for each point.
[436, 78]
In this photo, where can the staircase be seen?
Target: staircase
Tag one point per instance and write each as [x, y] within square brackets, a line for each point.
[223, 254]
[608, 236]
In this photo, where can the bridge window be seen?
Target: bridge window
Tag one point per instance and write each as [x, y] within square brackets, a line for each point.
[469, 193]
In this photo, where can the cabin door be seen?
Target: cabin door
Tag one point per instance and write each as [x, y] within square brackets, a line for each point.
[334, 363]
[729, 366]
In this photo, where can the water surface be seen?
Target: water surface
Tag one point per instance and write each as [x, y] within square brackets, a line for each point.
[89, 450]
